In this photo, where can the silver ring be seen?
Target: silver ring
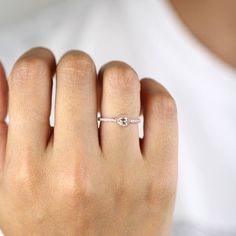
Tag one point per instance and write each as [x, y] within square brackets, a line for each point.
[121, 120]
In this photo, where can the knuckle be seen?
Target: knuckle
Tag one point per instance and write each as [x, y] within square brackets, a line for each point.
[161, 190]
[25, 179]
[24, 186]
[27, 68]
[22, 179]
[167, 187]
[84, 193]
[76, 67]
[76, 187]
[121, 76]
[121, 192]
[80, 194]
[164, 104]
[25, 171]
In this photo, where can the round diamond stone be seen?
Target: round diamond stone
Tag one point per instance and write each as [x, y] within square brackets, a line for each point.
[122, 121]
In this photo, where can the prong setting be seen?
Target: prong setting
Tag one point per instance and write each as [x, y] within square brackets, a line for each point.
[122, 121]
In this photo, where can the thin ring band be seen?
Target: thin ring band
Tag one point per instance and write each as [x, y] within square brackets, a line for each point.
[121, 120]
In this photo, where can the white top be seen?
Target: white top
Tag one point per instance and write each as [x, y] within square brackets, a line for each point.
[150, 37]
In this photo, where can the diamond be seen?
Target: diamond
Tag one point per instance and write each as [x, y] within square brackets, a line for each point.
[122, 121]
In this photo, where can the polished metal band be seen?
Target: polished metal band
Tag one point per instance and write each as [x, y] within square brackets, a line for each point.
[121, 120]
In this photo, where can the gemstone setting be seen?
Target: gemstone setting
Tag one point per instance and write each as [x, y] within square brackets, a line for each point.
[122, 121]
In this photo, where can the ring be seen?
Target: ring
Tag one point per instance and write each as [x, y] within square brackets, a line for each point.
[121, 120]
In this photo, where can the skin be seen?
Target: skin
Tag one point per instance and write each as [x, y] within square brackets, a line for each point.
[213, 23]
[52, 182]
[76, 179]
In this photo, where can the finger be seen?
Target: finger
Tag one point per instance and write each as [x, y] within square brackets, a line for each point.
[30, 87]
[160, 122]
[120, 95]
[3, 113]
[76, 108]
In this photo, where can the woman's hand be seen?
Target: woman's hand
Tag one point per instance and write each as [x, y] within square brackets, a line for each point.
[76, 179]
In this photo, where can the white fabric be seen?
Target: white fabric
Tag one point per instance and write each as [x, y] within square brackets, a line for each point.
[150, 37]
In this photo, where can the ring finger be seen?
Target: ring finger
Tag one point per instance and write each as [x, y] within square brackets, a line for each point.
[120, 97]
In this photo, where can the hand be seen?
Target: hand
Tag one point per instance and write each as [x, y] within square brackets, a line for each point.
[76, 179]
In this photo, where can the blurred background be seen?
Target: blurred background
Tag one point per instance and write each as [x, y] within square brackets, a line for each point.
[187, 45]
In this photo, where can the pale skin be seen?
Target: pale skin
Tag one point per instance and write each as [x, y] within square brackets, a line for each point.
[76, 179]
